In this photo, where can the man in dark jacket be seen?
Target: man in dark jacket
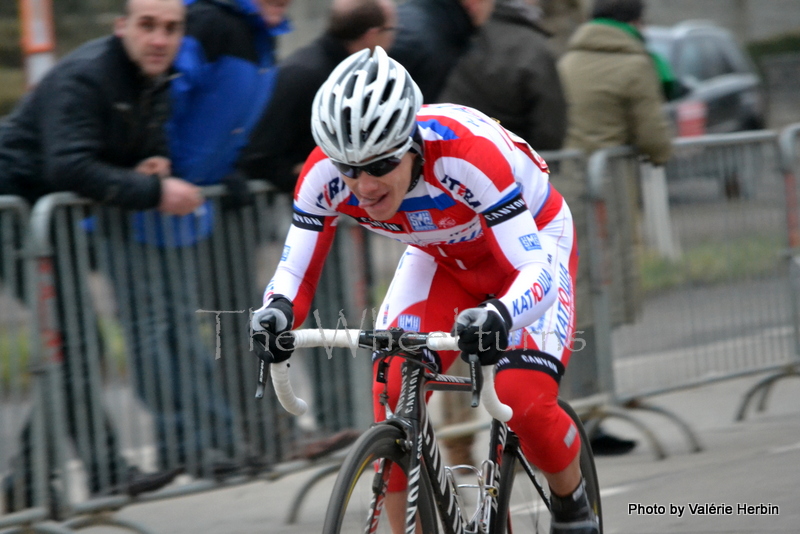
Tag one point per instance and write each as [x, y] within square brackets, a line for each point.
[94, 125]
[282, 140]
[510, 74]
[432, 35]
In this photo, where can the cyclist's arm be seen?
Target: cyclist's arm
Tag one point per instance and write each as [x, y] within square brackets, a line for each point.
[507, 221]
[310, 236]
[514, 238]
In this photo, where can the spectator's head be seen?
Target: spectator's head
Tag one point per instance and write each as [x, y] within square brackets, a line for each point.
[272, 11]
[479, 11]
[360, 24]
[629, 11]
[151, 32]
[364, 119]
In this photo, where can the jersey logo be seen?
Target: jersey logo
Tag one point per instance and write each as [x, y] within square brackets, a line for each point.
[389, 227]
[461, 190]
[409, 322]
[421, 221]
[505, 211]
[530, 242]
[285, 255]
[308, 222]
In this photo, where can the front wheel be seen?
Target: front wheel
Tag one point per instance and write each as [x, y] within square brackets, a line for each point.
[523, 496]
[358, 497]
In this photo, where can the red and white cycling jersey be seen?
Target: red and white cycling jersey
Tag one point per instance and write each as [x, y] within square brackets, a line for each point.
[477, 210]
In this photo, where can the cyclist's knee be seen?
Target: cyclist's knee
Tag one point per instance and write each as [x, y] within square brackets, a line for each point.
[549, 437]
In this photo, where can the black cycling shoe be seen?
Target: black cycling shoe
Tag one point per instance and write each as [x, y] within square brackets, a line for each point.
[573, 514]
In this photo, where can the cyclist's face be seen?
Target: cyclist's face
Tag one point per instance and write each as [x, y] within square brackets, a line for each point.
[381, 196]
[151, 33]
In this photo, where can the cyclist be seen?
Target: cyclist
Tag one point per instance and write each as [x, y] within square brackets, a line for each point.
[487, 234]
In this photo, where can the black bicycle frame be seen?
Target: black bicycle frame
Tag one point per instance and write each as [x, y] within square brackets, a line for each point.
[410, 413]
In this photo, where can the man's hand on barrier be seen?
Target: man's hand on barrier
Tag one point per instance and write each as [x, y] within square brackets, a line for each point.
[482, 331]
[268, 323]
[158, 165]
[179, 197]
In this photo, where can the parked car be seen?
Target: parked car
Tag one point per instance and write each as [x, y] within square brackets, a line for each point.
[717, 77]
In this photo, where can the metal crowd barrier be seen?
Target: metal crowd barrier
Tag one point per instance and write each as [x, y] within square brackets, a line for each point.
[790, 165]
[153, 371]
[720, 308]
[24, 500]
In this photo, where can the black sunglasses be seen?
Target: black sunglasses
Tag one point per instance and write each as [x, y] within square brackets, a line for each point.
[381, 167]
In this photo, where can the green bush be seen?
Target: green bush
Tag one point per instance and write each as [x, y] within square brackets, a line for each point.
[714, 262]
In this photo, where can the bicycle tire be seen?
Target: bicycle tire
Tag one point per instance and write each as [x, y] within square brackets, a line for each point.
[520, 507]
[356, 484]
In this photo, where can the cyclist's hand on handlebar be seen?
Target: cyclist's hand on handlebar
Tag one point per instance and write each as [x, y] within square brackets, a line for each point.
[482, 331]
[268, 323]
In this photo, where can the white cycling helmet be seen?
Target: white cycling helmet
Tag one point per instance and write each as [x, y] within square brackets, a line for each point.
[366, 109]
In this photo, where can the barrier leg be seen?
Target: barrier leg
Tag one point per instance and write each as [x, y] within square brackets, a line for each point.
[39, 527]
[105, 519]
[694, 442]
[764, 387]
[294, 511]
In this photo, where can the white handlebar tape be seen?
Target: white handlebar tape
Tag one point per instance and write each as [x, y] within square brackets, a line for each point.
[284, 391]
[341, 338]
[348, 338]
[496, 409]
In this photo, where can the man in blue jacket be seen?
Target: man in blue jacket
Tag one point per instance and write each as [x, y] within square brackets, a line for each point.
[227, 77]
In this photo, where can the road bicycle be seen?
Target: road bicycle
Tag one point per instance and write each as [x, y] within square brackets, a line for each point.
[505, 494]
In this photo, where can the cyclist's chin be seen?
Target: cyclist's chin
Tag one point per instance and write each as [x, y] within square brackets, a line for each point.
[383, 210]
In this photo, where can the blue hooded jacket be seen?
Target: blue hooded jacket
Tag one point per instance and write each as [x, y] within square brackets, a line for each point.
[226, 68]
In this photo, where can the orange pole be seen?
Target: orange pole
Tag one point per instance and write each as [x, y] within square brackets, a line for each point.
[38, 38]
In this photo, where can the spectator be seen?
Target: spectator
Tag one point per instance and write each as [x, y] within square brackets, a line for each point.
[227, 78]
[282, 140]
[94, 125]
[611, 85]
[614, 98]
[225, 75]
[510, 74]
[432, 35]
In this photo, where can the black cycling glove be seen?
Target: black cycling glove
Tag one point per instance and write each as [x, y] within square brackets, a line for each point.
[268, 323]
[483, 331]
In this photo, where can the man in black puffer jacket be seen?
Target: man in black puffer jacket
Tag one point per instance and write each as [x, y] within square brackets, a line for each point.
[95, 123]
[95, 126]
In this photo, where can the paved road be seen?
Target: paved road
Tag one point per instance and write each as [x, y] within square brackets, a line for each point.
[746, 463]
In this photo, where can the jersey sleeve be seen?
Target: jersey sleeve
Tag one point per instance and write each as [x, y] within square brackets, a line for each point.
[310, 236]
[512, 234]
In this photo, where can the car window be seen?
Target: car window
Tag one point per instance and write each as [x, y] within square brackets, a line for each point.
[690, 59]
[718, 61]
[660, 46]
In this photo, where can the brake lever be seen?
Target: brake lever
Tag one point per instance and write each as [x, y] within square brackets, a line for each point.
[476, 375]
[262, 379]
